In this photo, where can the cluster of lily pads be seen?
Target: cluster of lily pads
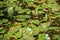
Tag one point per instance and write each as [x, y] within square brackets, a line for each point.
[29, 20]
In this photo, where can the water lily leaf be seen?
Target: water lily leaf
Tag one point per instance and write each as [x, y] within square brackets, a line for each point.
[35, 22]
[17, 8]
[18, 35]
[1, 14]
[40, 12]
[23, 16]
[12, 31]
[44, 5]
[41, 37]
[35, 29]
[31, 38]
[27, 11]
[51, 1]
[30, 4]
[55, 36]
[24, 23]
[28, 1]
[59, 37]
[36, 10]
[43, 28]
[55, 7]
[58, 14]
[2, 30]
[0, 22]
[10, 11]
[11, 1]
[4, 20]
[20, 19]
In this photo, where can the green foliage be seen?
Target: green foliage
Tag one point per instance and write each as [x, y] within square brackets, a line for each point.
[41, 37]
[29, 20]
[18, 34]
[2, 30]
[4, 20]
